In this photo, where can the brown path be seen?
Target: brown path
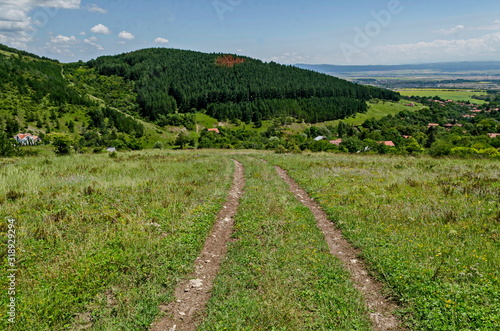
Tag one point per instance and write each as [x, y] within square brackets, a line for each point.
[192, 295]
[381, 308]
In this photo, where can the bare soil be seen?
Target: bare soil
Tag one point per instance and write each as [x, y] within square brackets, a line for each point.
[381, 307]
[192, 294]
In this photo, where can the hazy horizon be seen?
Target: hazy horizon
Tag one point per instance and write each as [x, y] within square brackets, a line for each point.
[380, 32]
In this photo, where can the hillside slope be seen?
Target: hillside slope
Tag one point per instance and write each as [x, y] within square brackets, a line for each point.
[43, 96]
[230, 87]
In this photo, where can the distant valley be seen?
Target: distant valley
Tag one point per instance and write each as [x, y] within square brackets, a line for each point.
[478, 75]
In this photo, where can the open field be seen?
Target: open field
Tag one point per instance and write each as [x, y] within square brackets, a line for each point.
[103, 241]
[376, 109]
[429, 229]
[279, 273]
[446, 94]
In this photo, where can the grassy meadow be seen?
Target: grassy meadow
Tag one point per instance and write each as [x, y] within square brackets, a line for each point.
[102, 241]
[429, 228]
[279, 273]
[446, 94]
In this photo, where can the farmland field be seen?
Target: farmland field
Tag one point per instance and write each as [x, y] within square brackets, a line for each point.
[102, 241]
[446, 94]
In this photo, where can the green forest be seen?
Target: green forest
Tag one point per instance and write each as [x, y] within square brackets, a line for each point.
[153, 98]
[229, 87]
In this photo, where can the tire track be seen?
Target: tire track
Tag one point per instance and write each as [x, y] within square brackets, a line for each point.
[381, 308]
[192, 294]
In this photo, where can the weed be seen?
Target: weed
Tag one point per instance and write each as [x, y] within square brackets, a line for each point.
[435, 246]
[12, 195]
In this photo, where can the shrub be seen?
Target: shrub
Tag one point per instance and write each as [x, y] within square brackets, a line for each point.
[158, 145]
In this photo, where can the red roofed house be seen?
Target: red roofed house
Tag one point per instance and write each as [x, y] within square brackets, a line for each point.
[387, 143]
[493, 135]
[27, 139]
[432, 125]
[336, 142]
[214, 130]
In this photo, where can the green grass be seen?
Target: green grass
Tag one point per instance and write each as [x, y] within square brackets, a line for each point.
[429, 229]
[279, 274]
[105, 239]
[377, 111]
[206, 121]
[446, 94]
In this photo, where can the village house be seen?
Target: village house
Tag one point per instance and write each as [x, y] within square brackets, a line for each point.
[493, 135]
[25, 139]
[432, 125]
[336, 142]
[387, 143]
[214, 130]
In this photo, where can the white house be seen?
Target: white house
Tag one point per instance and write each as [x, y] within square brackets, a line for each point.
[25, 139]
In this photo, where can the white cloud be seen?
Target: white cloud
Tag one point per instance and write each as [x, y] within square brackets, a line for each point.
[60, 39]
[100, 29]
[289, 58]
[92, 42]
[96, 9]
[126, 35]
[161, 40]
[451, 31]
[487, 46]
[121, 42]
[20, 19]
[83, 33]
[495, 26]
[64, 4]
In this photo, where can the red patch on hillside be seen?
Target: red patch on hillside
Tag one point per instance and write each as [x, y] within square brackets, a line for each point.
[228, 60]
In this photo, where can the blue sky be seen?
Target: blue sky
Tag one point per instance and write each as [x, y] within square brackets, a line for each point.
[284, 31]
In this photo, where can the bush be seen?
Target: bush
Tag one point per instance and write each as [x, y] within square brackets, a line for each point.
[62, 143]
[440, 148]
[158, 145]
[8, 146]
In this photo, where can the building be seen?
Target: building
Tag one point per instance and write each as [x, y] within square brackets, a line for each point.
[26, 139]
[336, 142]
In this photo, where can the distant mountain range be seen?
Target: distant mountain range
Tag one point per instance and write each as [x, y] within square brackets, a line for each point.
[450, 67]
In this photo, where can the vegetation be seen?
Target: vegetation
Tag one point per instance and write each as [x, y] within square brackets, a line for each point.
[447, 94]
[279, 273]
[169, 80]
[102, 241]
[429, 229]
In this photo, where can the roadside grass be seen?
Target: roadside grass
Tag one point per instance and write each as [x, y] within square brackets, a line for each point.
[279, 273]
[429, 228]
[102, 241]
[447, 94]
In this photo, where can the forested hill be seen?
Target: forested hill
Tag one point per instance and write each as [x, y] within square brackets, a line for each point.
[232, 87]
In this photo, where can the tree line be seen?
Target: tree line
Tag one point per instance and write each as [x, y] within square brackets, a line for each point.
[169, 81]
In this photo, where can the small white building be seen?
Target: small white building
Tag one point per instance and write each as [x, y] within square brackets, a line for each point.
[26, 139]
